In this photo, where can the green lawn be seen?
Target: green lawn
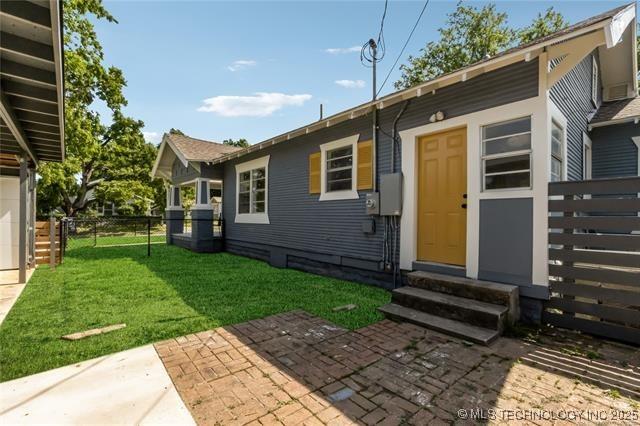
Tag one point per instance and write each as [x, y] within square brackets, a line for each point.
[171, 293]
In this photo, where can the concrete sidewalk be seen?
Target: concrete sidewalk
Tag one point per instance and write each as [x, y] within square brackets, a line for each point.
[10, 290]
[129, 387]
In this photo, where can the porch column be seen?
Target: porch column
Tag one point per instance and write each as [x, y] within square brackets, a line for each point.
[22, 225]
[32, 217]
[174, 214]
[202, 218]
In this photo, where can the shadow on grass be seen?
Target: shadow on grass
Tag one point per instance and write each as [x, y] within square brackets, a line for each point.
[172, 293]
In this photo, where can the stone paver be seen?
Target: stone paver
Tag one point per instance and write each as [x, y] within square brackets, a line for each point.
[298, 369]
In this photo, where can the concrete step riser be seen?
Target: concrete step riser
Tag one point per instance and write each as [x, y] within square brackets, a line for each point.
[458, 313]
[460, 290]
[451, 332]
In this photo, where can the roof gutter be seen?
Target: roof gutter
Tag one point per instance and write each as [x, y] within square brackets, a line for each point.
[634, 119]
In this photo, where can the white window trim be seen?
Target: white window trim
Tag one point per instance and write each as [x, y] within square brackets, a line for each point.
[594, 80]
[557, 116]
[563, 153]
[260, 218]
[349, 194]
[484, 158]
[587, 145]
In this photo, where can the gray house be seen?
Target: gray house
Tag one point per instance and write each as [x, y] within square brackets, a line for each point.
[451, 193]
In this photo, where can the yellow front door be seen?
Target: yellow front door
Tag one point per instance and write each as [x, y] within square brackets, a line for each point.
[442, 188]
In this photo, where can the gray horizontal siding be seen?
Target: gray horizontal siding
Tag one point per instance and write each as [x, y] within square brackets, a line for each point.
[300, 222]
[614, 154]
[572, 96]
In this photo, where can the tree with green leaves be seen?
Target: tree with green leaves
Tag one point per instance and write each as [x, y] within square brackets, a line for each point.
[240, 143]
[176, 132]
[102, 161]
[471, 35]
[542, 26]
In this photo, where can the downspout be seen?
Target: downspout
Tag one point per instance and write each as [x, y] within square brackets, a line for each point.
[394, 132]
[394, 227]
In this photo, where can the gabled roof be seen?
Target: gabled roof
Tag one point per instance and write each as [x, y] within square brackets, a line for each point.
[193, 149]
[186, 149]
[613, 22]
[617, 112]
[31, 80]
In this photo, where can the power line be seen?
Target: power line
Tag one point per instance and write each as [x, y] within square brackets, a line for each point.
[366, 53]
[404, 47]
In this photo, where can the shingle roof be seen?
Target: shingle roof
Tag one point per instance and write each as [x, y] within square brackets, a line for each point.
[197, 149]
[617, 110]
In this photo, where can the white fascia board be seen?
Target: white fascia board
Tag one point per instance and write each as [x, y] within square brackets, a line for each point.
[176, 151]
[618, 24]
[156, 164]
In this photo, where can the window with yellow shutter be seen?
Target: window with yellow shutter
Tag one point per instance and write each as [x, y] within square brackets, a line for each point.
[314, 173]
[365, 165]
[341, 168]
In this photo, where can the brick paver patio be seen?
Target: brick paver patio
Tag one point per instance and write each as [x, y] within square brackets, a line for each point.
[297, 369]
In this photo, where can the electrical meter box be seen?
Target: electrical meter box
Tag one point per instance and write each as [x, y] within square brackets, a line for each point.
[373, 203]
[391, 194]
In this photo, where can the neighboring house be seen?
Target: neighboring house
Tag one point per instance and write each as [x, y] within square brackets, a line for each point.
[31, 119]
[186, 161]
[106, 208]
[463, 189]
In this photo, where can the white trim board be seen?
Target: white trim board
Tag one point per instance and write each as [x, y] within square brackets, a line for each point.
[349, 194]
[258, 218]
[540, 131]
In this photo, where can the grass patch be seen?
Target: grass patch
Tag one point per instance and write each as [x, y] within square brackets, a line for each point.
[172, 293]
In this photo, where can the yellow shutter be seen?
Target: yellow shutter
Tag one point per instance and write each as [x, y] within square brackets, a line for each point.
[365, 165]
[314, 173]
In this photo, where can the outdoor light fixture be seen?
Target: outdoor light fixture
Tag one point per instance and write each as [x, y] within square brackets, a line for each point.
[438, 116]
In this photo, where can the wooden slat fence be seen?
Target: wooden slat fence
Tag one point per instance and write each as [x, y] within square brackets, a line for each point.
[594, 257]
[46, 240]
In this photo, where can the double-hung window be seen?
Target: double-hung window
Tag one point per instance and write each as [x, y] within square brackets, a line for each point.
[506, 155]
[557, 152]
[340, 169]
[252, 190]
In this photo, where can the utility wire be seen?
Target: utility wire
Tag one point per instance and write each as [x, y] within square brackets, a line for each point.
[403, 47]
[366, 53]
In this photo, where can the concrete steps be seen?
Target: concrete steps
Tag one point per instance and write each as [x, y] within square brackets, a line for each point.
[470, 309]
[462, 330]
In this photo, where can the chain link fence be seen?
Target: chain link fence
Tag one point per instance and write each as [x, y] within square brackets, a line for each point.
[141, 231]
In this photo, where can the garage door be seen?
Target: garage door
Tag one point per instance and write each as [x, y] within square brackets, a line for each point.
[9, 221]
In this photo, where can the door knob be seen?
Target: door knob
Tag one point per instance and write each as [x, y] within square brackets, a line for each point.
[463, 205]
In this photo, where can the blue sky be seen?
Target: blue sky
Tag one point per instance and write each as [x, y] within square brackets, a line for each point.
[219, 70]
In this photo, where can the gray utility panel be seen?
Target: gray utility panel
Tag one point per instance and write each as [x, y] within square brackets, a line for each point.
[391, 194]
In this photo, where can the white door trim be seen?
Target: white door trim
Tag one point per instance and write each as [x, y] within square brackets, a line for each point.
[540, 130]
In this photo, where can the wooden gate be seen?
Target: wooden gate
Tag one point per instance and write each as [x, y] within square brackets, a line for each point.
[47, 242]
[594, 257]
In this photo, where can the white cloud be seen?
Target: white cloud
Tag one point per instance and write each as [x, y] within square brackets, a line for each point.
[241, 65]
[151, 137]
[340, 50]
[351, 84]
[261, 104]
